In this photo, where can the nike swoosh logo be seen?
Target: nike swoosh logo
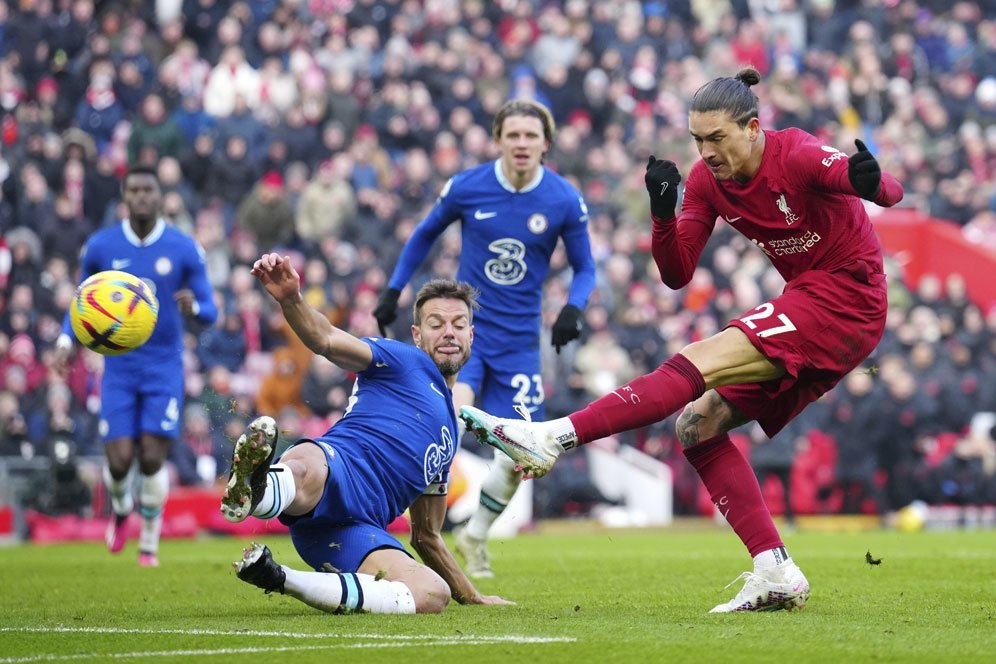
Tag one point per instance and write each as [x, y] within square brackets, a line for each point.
[120, 263]
[380, 364]
[433, 387]
[732, 219]
[167, 425]
[481, 216]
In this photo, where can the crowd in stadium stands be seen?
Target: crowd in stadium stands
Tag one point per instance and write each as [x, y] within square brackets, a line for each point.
[325, 128]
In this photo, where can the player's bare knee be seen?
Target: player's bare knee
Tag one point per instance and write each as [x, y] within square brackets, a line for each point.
[431, 594]
[310, 469]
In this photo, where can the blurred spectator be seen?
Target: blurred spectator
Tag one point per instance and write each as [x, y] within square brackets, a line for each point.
[13, 428]
[327, 202]
[224, 344]
[853, 422]
[266, 214]
[99, 112]
[282, 387]
[154, 134]
[773, 457]
[967, 476]
[202, 455]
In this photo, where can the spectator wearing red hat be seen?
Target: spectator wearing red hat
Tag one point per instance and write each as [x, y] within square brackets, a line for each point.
[266, 214]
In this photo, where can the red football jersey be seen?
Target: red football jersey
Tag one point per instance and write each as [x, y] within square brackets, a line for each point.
[799, 208]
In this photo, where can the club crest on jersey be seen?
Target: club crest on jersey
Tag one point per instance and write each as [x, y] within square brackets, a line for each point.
[164, 266]
[438, 455]
[790, 217]
[537, 223]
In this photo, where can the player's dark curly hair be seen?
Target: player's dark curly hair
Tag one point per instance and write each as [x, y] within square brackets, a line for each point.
[445, 288]
[731, 95]
[139, 170]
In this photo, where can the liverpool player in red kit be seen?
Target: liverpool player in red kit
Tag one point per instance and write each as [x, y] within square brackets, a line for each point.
[798, 201]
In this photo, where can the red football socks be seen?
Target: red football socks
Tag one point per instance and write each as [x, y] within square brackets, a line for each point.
[734, 490]
[641, 402]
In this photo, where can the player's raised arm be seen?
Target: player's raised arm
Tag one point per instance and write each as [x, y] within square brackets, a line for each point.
[412, 254]
[427, 515]
[676, 243]
[282, 282]
[858, 175]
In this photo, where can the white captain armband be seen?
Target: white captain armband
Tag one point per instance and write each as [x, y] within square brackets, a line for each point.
[439, 485]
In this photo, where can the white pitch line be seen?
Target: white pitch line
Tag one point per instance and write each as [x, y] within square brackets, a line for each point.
[235, 651]
[386, 641]
[506, 638]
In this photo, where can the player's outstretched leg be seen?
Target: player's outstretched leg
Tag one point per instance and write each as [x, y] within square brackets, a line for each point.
[331, 592]
[250, 462]
[775, 588]
[531, 445]
[258, 568]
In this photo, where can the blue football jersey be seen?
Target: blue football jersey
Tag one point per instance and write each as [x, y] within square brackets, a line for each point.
[508, 237]
[168, 260]
[398, 435]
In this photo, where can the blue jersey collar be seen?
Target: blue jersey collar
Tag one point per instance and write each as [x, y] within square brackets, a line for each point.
[157, 232]
[503, 181]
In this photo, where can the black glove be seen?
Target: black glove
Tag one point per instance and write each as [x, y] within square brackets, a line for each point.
[386, 310]
[864, 172]
[662, 180]
[567, 328]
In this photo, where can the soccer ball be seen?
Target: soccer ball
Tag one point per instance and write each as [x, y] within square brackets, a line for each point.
[113, 312]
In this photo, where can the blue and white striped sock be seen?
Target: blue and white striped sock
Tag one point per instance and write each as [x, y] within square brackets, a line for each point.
[280, 492]
[348, 592]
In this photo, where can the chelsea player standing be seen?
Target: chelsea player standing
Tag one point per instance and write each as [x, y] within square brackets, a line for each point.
[142, 391]
[512, 212]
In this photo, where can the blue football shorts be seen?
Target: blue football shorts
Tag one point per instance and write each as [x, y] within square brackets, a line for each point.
[344, 528]
[501, 380]
[131, 405]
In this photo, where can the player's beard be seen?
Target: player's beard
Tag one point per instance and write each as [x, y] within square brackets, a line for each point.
[451, 365]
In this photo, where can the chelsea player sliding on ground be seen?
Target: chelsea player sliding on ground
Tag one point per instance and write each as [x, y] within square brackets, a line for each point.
[512, 213]
[391, 451]
[141, 395]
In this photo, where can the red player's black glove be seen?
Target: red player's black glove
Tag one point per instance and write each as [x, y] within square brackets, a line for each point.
[864, 172]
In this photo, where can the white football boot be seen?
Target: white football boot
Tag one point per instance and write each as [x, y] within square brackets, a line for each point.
[781, 587]
[528, 444]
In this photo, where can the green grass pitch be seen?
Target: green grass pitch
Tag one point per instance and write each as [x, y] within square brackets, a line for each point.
[598, 596]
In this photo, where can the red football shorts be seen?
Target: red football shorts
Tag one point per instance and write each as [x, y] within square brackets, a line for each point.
[822, 326]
